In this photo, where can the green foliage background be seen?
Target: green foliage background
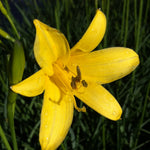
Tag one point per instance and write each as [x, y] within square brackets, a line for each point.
[127, 25]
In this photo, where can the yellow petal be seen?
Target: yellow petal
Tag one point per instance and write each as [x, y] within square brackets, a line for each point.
[53, 90]
[32, 86]
[94, 34]
[105, 66]
[99, 99]
[56, 119]
[50, 45]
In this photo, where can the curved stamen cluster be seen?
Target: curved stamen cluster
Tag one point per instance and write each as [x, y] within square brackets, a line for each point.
[77, 79]
[62, 78]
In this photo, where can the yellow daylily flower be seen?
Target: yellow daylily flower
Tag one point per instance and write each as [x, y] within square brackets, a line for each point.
[80, 72]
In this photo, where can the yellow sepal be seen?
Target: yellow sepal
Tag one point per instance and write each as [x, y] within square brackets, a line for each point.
[100, 100]
[56, 119]
[50, 45]
[32, 86]
[105, 66]
[94, 34]
[53, 90]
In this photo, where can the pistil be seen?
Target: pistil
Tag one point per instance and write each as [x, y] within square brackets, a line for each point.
[82, 109]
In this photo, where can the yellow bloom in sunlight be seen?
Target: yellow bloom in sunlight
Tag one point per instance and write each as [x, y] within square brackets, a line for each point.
[80, 72]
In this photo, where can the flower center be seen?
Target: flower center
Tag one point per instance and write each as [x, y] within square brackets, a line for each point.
[76, 82]
[67, 81]
[61, 78]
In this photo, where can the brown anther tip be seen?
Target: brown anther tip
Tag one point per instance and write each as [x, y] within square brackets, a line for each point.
[84, 83]
[78, 73]
[66, 68]
[73, 85]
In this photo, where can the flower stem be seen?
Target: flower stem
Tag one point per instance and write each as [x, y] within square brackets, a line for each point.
[2, 134]
[135, 19]
[143, 114]
[123, 19]
[96, 4]
[104, 134]
[5, 13]
[107, 16]
[137, 34]
[126, 26]
[10, 114]
[6, 35]
[146, 11]
[57, 15]
[139, 27]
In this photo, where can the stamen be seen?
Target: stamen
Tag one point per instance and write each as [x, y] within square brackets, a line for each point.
[66, 68]
[84, 83]
[73, 83]
[61, 78]
[78, 77]
[83, 109]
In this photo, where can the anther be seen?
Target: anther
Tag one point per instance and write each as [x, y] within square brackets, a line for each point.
[66, 68]
[78, 77]
[73, 83]
[84, 83]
